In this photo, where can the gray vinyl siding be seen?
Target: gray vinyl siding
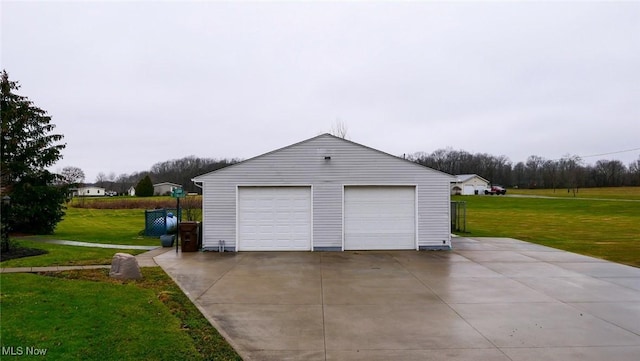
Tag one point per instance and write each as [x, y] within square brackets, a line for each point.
[303, 164]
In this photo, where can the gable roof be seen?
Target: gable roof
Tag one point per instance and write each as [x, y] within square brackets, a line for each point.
[325, 135]
[167, 184]
[461, 178]
[91, 187]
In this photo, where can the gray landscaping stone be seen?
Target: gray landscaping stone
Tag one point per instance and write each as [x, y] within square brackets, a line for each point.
[125, 266]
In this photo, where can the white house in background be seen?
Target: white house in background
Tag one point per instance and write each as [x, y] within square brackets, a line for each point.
[163, 188]
[91, 191]
[131, 191]
[469, 184]
[325, 193]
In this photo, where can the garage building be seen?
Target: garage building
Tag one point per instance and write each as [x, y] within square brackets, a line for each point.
[469, 184]
[325, 193]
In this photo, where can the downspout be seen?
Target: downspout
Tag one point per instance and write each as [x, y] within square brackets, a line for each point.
[201, 230]
[196, 183]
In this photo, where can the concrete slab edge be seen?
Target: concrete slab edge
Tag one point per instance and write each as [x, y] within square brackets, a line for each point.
[212, 321]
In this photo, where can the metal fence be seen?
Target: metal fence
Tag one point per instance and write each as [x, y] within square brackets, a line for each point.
[155, 221]
[458, 216]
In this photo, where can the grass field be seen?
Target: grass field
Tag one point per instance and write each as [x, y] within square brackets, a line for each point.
[60, 255]
[85, 315]
[111, 226]
[627, 193]
[608, 229]
[108, 226]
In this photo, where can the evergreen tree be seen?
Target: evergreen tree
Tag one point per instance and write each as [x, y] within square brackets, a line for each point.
[28, 148]
[144, 188]
[36, 206]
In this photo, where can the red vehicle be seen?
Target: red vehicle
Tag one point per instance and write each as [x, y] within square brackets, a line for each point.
[497, 190]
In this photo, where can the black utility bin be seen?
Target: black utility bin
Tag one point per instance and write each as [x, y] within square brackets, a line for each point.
[189, 236]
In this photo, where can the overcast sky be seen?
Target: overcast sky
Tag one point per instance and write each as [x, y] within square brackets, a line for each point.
[130, 84]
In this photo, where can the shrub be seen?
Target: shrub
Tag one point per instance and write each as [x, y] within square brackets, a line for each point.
[36, 207]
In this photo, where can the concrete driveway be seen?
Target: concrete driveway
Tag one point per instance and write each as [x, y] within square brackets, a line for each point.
[488, 299]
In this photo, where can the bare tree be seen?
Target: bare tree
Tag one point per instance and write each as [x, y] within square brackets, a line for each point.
[339, 129]
[570, 171]
[609, 173]
[518, 174]
[634, 172]
[72, 176]
[495, 169]
[121, 180]
[181, 171]
[534, 171]
[101, 178]
[191, 205]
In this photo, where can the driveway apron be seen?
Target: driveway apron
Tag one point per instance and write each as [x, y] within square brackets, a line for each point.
[488, 299]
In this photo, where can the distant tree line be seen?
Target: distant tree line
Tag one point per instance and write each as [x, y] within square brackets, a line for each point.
[537, 172]
[179, 171]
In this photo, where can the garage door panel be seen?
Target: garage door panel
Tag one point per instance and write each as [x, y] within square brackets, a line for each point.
[393, 242]
[274, 218]
[379, 218]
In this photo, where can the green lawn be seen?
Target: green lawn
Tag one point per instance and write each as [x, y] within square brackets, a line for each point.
[60, 255]
[85, 315]
[627, 193]
[112, 226]
[108, 226]
[608, 229]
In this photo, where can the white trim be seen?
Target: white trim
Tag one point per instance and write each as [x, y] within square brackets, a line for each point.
[311, 220]
[203, 224]
[342, 218]
[238, 218]
[415, 219]
[449, 219]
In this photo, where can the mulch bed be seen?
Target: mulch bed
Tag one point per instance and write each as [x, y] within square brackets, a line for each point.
[21, 252]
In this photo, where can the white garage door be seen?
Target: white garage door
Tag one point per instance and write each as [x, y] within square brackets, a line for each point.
[469, 190]
[379, 218]
[274, 218]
